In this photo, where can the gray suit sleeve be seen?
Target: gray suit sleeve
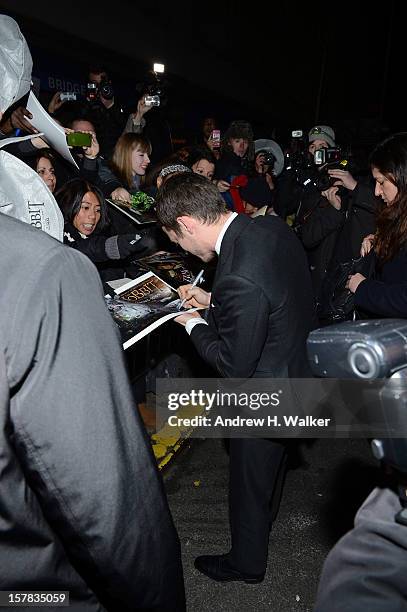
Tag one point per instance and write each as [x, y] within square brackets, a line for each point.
[81, 442]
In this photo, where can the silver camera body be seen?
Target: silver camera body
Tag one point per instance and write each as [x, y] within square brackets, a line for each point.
[68, 95]
[373, 351]
[152, 100]
[359, 349]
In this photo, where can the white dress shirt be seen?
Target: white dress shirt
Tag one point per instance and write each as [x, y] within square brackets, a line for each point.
[189, 326]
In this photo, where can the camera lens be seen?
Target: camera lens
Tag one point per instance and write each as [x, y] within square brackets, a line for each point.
[106, 90]
[363, 362]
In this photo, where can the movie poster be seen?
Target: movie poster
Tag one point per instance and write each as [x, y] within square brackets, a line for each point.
[142, 305]
[175, 268]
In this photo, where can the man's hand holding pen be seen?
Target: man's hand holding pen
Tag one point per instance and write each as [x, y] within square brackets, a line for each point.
[192, 297]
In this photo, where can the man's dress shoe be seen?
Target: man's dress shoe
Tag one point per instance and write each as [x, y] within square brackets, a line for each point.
[219, 568]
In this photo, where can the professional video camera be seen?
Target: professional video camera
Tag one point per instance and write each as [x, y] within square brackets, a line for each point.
[297, 157]
[322, 179]
[313, 169]
[373, 351]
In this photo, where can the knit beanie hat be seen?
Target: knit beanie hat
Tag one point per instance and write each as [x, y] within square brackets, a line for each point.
[322, 132]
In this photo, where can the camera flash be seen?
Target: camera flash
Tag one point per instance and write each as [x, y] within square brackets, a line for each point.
[159, 68]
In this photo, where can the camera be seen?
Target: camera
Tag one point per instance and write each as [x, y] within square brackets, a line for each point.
[268, 158]
[152, 100]
[152, 89]
[106, 90]
[68, 96]
[327, 155]
[297, 157]
[323, 180]
[152, 95]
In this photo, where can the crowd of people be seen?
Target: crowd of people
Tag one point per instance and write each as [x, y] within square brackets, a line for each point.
[279, 223]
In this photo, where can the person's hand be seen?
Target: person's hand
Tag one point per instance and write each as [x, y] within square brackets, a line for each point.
[93, 151]
[354, 281]
[18, 120]
[39, 143]
[185, 317]
[260, 164]
[68, 131]
[343, 177]
[195, 296]
[121, 194]
[367, 245]
[222, 186]
[130, 244]
[142, 109]
[331, 195]
[55, 103]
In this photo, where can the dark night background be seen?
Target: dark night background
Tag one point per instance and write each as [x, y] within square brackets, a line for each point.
[282, 66]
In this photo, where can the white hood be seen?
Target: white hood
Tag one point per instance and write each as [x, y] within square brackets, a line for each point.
[15, 63]
[23, 193]
[25, 196]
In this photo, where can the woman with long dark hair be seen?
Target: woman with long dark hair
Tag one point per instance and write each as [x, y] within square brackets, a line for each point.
[385, 295]
[86, 228]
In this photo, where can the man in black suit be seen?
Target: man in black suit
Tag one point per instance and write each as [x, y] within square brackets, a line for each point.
[261, 311]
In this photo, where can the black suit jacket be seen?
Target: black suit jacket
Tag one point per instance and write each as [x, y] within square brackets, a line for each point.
[262, 306]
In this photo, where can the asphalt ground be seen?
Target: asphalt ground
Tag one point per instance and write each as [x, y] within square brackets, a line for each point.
[326, 482]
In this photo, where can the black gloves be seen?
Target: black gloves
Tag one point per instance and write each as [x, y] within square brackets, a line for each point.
[130, 243]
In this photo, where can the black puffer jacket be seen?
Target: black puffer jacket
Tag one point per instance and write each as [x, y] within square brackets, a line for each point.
[108, 253]
[332, 236]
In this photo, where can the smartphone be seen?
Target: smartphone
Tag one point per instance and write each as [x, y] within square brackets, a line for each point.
[68, 95]
[296, 134]
[79, 139]
[215, 136]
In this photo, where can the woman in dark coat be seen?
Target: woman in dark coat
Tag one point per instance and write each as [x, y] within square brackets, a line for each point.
[385, 295]
[87, 229]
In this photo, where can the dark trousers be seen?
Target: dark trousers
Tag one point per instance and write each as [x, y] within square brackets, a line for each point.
[257, 470]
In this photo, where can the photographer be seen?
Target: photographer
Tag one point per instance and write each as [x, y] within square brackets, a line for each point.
[335, 214]
[268, 164]
[104, 110]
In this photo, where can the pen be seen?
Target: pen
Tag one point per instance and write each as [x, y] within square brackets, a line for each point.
[194, 284]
